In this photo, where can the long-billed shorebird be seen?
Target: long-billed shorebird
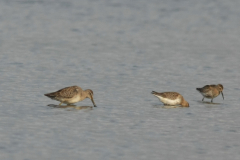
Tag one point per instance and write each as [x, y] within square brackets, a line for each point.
[71, 95]
[171, 98]
[211, 91]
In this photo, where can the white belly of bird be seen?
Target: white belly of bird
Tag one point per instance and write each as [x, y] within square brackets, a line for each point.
[208, 94]
[73, 100]
[169, 101]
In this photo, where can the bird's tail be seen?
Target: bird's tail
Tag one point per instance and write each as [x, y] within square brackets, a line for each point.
[153, 92]
[50, 95]
[199, 89]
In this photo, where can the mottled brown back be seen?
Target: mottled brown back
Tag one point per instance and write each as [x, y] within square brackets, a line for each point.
[205, 88]
[67, 92]
[169, 95]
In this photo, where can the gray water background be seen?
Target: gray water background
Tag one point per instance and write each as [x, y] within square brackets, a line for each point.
[122, 50]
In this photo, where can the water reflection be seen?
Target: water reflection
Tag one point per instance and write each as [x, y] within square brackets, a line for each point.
[71, 106]
[209, 102]
[167, 106]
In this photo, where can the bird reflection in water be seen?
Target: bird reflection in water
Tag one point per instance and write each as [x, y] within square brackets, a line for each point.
[71, 107]
[208, 102]
[167, 106]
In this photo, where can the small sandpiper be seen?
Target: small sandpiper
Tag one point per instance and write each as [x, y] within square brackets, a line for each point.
[171, 98]
[211, 91]
[71, 95]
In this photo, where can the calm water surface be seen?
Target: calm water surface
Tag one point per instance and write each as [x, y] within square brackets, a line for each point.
[122, 50]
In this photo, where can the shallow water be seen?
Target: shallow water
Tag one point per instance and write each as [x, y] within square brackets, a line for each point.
[122, 50]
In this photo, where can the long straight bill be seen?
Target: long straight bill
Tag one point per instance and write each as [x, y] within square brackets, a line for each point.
[93, 101]
[222, 95]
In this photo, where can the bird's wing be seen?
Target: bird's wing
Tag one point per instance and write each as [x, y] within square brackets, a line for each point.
[68, 92]
[171, 95]
[206, 88]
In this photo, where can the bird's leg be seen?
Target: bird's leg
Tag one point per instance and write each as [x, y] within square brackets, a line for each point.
[202, 98]
[212, 100]
[60, 104]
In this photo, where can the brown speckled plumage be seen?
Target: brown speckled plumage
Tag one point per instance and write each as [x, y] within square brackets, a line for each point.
[67, 92]
[169, 95]
[71, 95]
[211, 91]
[171, 98]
